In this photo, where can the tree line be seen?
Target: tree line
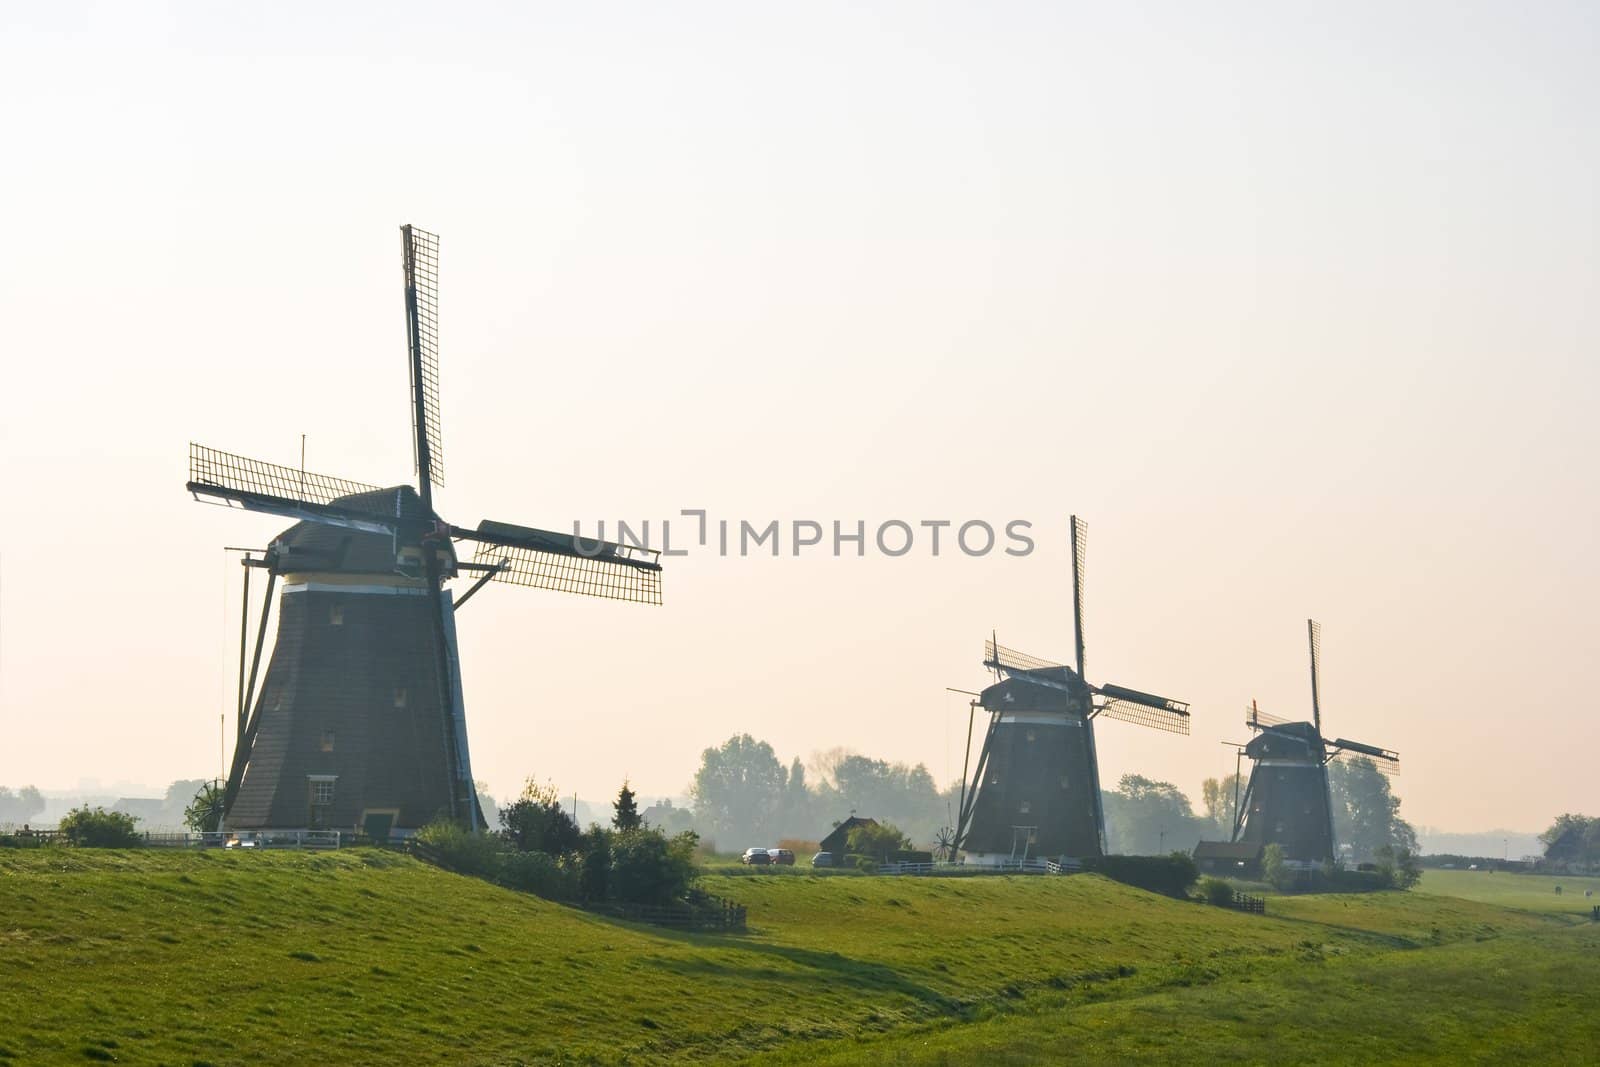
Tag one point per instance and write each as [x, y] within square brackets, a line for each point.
[744, 795]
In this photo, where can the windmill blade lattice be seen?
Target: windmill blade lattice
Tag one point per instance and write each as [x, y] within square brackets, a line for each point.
[1387, 768]
[565, 563]
[421, 252]
[999, 657]
[1142, 714]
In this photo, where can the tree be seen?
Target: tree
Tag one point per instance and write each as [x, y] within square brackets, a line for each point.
[1220, 797]
[20, 806]
[877, 841]
[1149, 818]
[1572, 840]
[796, 812]
[737, 790]
[1366, 813]
[895, 792]
[536, 822]
[626, 809]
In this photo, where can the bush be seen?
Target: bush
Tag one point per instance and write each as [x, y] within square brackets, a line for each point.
[461, 850]
[878, 840]
[1172, 875]
[1275, 870]
[594, 872]
[536, 822]
[1216, 891]
[98, 828]
[1399, 868]
[647, 867]
[538, 873]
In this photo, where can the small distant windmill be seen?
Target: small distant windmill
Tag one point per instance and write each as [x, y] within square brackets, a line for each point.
[1287, 802]
[360, 722]
[1035, 792]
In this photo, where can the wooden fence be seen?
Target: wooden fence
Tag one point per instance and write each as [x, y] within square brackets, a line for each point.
[1245, 902]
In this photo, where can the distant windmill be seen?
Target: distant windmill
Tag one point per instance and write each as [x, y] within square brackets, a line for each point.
[360, 722]
[1035, 793]
[1287, 802]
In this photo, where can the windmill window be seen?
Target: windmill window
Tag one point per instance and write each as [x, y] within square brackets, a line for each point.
[399, 696]
[327, 740]
[1030, 736]
[336, 615]
[322, 790]
[1026, 807]
[1065, 782]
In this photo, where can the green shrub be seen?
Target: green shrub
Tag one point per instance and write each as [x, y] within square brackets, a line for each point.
[98, 828]
[1172, 875]
[594, 871]
[538, 873]
[461, 850]
[1216, 891]
[1275, 870]
[1399, 868]
[536, 822]
[878, 840]
[647, 867]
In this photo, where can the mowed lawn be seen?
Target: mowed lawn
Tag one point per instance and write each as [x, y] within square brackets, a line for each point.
[367, 957]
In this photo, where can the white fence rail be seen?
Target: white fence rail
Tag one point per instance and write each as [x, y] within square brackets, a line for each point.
[1032, 866]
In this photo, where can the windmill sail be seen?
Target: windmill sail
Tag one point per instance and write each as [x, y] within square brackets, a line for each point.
[543, 559]
[256, 485]
[1144, 709]
[421, 252]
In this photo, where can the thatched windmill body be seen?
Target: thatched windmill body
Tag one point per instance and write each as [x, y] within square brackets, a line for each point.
[360, 721]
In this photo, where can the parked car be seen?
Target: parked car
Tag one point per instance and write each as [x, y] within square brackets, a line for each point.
[822, 859]
[755, 857]
[781, 856]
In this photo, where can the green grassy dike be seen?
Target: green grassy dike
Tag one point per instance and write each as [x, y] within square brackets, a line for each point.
[367, 957]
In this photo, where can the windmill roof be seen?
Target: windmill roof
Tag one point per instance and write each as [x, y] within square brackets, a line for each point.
[319, 546]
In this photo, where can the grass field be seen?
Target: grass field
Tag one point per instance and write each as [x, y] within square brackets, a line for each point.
[367, 957]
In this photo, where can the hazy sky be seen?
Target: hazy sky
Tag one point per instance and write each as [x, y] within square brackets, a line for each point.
[1296, 304]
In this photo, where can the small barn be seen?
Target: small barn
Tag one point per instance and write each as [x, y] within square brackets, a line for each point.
[837, 841]
[1228, 857]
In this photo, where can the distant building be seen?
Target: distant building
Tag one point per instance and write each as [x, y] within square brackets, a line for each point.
[1229, 857]
[838, 842]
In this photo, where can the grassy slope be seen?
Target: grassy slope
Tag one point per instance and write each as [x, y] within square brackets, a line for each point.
[367, 957]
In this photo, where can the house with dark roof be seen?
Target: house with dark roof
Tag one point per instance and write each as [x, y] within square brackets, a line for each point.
[838, 841]
[1229, 857]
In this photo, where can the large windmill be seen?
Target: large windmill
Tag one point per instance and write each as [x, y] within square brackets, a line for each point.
[1287, 802]
[360, 722]
[1035, 792]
